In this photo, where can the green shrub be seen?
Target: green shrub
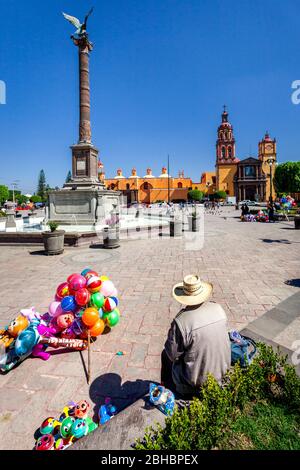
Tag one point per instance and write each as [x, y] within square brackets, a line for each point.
[202, 424]
[53, 225]
[195, 195]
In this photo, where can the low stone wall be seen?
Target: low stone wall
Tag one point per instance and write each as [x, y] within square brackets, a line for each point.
[121, 432]
[35, 238]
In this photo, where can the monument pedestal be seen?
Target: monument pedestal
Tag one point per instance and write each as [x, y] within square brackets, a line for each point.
[82, 206]
[84, 200]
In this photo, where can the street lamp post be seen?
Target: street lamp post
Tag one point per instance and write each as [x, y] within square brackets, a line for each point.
[168, 179]
[15, 187]
[271, 162]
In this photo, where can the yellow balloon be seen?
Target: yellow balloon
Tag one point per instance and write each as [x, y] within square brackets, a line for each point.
[104, 278]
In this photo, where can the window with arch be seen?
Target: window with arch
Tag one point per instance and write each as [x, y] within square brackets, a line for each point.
[229, 152]
[223, 152]
[127, 186]
[146, 186]
[179, 185]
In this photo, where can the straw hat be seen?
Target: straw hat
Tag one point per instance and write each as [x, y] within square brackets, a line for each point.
[192, 291]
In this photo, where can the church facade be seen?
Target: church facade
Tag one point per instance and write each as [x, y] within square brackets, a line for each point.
[249, 178]
[246, 179]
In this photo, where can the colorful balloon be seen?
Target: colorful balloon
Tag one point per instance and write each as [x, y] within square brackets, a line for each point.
[114, 293]
[107, 288]
[90, 316]
[104, 278]
[82, 297]
[105, 315]
[113, 318]
[98, 328]
[97, 300]
[62, 290]
[85, 271]
[68, 303]
[45, 442]
[55, 309]
[69, 279]
[48, 425]
[110, 304]
[65, 320]
[66, 426]
[100, 311]
[91, 274]
[77, 282]
[81, 409]
[79, 428]
[94, 284]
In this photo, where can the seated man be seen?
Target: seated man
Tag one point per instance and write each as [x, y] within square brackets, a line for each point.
[198, 341]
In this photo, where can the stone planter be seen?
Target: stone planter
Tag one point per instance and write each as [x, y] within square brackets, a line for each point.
[111, 237]
[194, 224]
[175, 228]
[297, 222]
[54, 242]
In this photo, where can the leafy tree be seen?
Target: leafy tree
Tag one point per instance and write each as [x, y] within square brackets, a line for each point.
[36, 199]
[69, 177]
[41, 189]
[21, 198]
[4, 193]
[195, 195]
[220, 194]
[287, 177]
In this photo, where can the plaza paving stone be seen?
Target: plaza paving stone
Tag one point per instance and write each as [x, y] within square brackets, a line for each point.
[253, 268]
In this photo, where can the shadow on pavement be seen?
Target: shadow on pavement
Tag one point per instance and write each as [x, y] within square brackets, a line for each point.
[38, 253]
[269, 240]
[121, 394]
[293, 282]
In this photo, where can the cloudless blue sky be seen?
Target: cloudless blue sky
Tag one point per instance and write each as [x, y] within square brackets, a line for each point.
[161, 71]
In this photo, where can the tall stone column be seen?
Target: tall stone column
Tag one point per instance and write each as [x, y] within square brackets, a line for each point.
[84, 154]
[84, 48]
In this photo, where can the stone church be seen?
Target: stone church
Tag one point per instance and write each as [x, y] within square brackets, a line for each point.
[249, 178]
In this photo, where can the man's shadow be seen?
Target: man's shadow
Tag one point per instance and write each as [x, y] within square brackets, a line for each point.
[122, 394]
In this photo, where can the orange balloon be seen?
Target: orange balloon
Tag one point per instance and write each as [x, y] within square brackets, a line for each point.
[90, 316]
[98, 328]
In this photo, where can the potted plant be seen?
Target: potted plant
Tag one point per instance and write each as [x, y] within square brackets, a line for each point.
[194, 222]
[297, 222]
[111, 234]
[53, 239]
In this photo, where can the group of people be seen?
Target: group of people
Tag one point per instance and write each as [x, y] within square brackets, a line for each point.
[212, 207]
[270, 210]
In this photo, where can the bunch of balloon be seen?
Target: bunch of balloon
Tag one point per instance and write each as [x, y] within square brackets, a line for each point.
[84, 305]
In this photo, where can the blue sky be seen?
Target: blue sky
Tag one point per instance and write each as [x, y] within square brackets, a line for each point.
[161, 71]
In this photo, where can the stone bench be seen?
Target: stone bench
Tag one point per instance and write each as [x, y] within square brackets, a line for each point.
[121, 432]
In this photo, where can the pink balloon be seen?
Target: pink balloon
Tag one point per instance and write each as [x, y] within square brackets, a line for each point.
[77, 282]
[114, 293]
[55, 309]
[107, 288]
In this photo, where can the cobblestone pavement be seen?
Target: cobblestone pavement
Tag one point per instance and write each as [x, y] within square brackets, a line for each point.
[252, 267]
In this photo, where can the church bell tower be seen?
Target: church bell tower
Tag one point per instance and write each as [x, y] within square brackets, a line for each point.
[225, 156]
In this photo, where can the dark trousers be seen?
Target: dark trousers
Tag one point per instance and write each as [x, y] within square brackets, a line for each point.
[166, 372]
[167, 379]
